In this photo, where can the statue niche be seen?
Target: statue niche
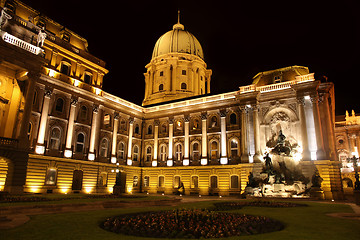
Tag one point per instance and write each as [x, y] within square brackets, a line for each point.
[280, 125]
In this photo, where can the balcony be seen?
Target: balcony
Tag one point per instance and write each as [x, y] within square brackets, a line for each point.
[20, 43]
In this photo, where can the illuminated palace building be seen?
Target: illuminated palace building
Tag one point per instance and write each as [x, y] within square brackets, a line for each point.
[61, 133]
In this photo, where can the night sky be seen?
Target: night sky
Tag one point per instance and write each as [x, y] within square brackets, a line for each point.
[239, 39]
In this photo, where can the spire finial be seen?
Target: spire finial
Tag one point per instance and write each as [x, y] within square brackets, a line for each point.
[178, 25]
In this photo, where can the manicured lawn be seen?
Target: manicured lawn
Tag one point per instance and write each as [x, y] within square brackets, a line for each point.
[300, 223]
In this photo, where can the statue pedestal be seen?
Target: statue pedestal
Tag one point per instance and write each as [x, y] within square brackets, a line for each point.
[317, 193]
[118, 190]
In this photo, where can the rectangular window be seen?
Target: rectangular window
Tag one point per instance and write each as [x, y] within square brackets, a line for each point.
[176, 182]
[183, 72]
[50, 178]
[194, 182]
[161, 73]
[234, 182]
[161, 181]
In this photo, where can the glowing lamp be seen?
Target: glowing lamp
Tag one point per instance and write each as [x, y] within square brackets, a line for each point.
[154, 163]
[52, 73]
[68, 153]
[169, 163]
[186, 162]
[40, 149]
[203, 161]
[129, 162]
[76, 82]
[223, 160]
[113, 159]
[91, 156]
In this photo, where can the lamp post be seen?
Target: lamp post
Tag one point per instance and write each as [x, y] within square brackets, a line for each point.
[354, 160]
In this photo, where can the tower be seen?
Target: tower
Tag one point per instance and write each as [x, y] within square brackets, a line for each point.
[177, 68]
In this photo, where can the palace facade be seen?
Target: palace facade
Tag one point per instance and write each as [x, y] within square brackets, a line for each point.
[61, 133]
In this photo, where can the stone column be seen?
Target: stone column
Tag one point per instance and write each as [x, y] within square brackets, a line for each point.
[40, 147]
[94, 125]
[244, 145]
[186, 160]
[304, 136]
[156, 143]
[256, 125]
[30, 90]
[70, 130]
[223, 158]
[114, 138]
[328, 129]
[204, 160]
[171, 144]
[320, 153]
[131, 130]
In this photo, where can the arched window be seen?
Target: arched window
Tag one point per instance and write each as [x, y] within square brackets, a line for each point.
[213, 122]
[137, 129]
[55, 138]
[161, 87]
[176, 183]
[234, 181]
[29, 133]
[135, 181]
[179, 125]
[88, 77]
[83, 112]
[214, 150]
[123, 125]
[178, 152]
[163, 128]
[196, 124]
[146, 181]
[104, 146]
[213, 182]
[194, 182]
[163, 153]
[148, 154]
[195, 151]
[80, 141]
[234, 148]
[59, 105]
[65, 68]
[121, 150]
[107, 120]
[183, 86]
[161, 181]
[149, 130]
[233, 120]
[136, 153]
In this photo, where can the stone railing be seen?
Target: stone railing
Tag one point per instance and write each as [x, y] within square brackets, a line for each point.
[277, 86]
[8, 142]
[20, 43]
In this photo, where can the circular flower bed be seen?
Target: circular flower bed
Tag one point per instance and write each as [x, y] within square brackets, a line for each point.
[190, 223]
[224, 206]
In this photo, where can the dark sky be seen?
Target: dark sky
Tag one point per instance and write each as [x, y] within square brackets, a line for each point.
[239, 39]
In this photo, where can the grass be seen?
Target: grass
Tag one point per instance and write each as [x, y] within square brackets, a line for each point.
[300, 223]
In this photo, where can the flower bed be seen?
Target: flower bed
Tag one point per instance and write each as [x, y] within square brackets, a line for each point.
[190, 223]
[224, 206]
